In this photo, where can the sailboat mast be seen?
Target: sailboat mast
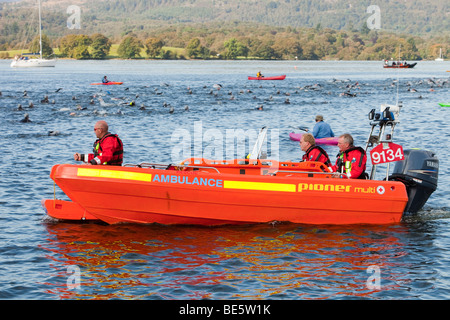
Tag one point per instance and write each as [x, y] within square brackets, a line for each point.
[40, 29]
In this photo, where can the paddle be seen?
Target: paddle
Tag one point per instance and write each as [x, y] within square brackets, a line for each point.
[300, 128]
[303, 129]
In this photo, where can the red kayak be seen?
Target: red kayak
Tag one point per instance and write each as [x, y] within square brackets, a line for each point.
[330, 141]
[268, 78]
[106, 84]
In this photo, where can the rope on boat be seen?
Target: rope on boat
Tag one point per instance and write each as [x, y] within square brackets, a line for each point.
[54, 195]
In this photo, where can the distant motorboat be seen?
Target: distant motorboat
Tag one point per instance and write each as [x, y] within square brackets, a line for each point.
[398, 64]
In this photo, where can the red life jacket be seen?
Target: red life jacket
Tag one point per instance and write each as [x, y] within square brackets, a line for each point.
[316, 153]
[104, 143]
[352, 162]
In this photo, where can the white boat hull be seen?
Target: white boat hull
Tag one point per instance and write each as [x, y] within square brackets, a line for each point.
[33, 63]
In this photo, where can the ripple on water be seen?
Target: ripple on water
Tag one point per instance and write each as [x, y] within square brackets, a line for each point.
[246, 262]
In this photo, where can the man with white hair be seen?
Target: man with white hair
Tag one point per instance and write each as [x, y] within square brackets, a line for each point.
[350, 160]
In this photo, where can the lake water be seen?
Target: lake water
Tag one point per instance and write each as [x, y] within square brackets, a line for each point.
[44, 259]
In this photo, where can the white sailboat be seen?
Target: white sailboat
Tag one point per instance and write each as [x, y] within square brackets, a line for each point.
[440, 56]
[26, 62]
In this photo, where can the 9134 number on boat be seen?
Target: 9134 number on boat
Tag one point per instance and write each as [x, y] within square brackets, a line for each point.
[386, 152]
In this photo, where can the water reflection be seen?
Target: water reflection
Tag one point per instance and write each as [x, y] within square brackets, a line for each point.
[246, 262]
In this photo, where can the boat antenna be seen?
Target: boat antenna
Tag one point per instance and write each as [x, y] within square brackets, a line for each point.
[40, 29]
[398, 74]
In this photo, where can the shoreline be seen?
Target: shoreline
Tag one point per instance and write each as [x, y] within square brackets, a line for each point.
[210, 59]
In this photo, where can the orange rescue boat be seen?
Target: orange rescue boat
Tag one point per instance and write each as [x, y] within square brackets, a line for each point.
[205, 192]
[244, 191]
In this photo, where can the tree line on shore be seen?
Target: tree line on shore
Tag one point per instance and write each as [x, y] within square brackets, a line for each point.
[184, 42]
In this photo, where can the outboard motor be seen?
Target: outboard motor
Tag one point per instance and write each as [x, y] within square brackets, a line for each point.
[419, 172]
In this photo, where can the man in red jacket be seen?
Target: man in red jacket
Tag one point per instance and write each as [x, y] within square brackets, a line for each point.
[313, 152]
[351, 160]
[108, 148]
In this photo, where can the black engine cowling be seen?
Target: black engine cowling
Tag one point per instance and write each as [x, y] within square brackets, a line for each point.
[419, 172]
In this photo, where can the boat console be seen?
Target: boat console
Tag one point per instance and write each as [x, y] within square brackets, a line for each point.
[417, 170]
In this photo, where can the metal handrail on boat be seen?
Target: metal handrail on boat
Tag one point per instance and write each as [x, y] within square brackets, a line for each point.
[201, 167]
[147, 165]
[196, 166]
[341, 175]
[231, 162]
[164, 166]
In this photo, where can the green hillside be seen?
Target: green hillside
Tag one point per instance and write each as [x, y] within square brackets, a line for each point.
[417, 17]
[414, 17]
[323, 28]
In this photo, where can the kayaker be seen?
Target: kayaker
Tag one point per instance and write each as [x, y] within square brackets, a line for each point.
[105, 80]
[350, 160]
[322, 129]
[108, 148]
[259, 74]
[312, 151]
